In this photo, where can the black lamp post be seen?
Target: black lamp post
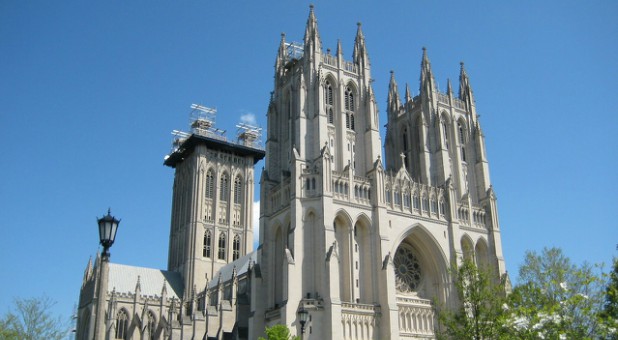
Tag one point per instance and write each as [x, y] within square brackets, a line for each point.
[303, 316]
[108, 225]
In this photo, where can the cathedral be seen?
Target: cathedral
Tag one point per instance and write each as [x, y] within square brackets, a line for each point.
[356, 238]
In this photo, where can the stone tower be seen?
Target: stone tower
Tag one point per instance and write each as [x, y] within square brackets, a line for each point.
[212, 201]
[362, 244]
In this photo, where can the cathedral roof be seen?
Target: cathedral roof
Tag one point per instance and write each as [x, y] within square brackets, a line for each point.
[241, 265]
[123, 279]
[218, 143]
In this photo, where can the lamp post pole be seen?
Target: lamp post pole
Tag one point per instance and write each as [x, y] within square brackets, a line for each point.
[108, 225]
[303, 316]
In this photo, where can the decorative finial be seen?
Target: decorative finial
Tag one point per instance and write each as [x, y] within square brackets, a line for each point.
[359, 24]
[311, 7]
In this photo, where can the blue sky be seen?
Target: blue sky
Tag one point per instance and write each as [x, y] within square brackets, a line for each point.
[91, 90]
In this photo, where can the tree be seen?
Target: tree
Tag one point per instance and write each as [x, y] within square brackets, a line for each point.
[32, 320]
[278, 332]
[481, 314]
[609, 314]
[555, 299]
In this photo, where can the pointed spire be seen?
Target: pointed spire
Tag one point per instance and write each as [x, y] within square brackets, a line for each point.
[164, 288]
[360, 49]
[393, 94]
[138, 285]
[87, 271]
[426, 74]
[465, 90]
[449, 88]
[408, 95]
[312, 37]
[339, 48]
[281, 54]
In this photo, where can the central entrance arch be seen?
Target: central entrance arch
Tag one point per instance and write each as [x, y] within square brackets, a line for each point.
[421, 279]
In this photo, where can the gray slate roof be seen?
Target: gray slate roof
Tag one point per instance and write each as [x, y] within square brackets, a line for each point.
[123, 278]
[241, 265]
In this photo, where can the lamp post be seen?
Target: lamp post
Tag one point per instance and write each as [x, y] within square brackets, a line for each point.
[108, 226]
[303, 316]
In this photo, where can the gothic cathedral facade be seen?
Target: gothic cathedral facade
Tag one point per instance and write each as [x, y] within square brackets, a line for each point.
[361, 240]
[358, 234]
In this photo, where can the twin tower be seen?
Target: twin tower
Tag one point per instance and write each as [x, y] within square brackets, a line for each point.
[357, 235]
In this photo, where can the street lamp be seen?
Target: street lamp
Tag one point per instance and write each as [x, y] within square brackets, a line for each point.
[303, 316]
[108, 225]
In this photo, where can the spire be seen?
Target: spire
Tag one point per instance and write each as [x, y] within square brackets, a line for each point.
[164, 288]
[138, 286]
[426, 74]
[312, 37]
[339, 48]
[408, 95]
[393, 95]
[449, 88]
[465, 90]
[88, 271]
[281, 54]
[360, 49]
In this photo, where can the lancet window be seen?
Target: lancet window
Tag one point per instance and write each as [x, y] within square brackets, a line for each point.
[122, 323]
[207, 244]
[210, 184]
[349, 108]
[236, 248]
[237, 190]
[224, 191]
[221, 255]
[328, 99]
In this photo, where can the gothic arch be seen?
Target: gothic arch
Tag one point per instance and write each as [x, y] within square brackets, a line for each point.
[467, 248]
[362, 255]
[121, 329]
[482, 253]
[433, 283]
[342, 225]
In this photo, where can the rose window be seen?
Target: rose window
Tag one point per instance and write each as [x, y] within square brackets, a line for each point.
[407, 270]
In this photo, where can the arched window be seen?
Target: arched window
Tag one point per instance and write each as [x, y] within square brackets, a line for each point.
[445, 133]
[328, 93]
[349, 108]
[221, 246]
[223, 192]
[207, 244]
[462, 140]
[151, 328]
[236, 248]
[210, 184]
[122, 323]
[349, 99]
[328, 100]
[237, 190]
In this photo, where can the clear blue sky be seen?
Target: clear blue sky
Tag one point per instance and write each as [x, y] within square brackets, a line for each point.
[89, 92]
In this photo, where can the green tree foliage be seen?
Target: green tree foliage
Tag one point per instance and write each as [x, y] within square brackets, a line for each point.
[481, 314]
[556, 299]
[609, 314]
[31, 320]
[278, 332]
